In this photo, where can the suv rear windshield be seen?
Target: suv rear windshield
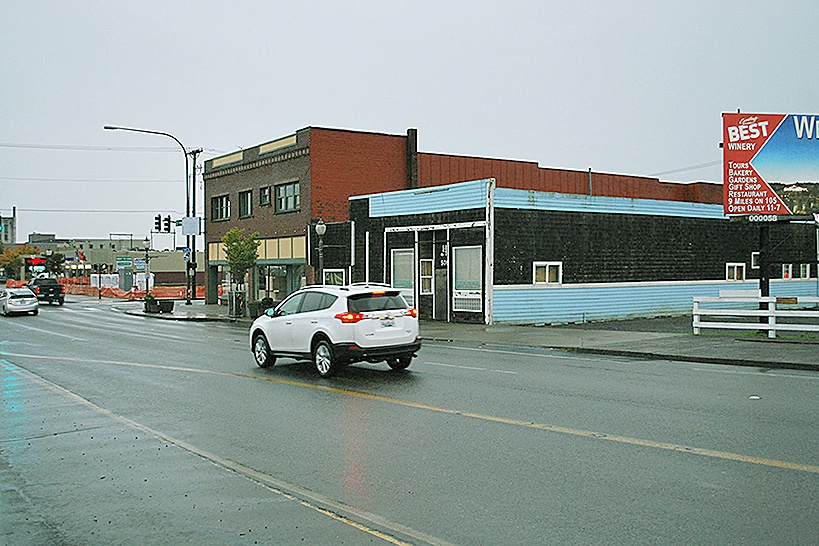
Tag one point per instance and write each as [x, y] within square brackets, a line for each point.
[361, 303]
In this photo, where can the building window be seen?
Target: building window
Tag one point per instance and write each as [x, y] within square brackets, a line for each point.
[426, 276]
[264, 196]
[804, 271]
[220, 208]
[734, 272]
[288, 197]
[468, 268]
[245, 204]
[334, 276]
[787, 271]
[547, 272]
[403, 273]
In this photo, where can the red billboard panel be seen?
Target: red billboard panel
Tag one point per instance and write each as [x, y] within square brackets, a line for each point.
[745, 190]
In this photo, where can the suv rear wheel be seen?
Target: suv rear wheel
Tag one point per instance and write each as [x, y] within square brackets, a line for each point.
[261, 352]
[400, 363]
[323, 358]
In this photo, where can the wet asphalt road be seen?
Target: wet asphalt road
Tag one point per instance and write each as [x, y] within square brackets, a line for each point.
[122, 430]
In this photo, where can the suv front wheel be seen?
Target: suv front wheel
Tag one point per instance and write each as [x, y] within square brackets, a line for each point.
[261, 352]
[323, 358]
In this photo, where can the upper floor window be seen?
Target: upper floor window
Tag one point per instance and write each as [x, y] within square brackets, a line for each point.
[264, 196]
[245, 203]
[288, 197]
[220, 208]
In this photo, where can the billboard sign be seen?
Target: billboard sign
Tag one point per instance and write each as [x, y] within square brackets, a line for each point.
[770, 164]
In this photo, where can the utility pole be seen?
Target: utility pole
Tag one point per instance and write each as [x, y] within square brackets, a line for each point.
[191, 266]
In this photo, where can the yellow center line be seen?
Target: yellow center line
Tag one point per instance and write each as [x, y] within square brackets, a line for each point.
[483, 417]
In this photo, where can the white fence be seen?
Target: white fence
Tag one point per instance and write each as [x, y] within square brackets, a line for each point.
[758, 313]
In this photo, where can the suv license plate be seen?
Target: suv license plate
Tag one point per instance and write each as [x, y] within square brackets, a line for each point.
[387, 322]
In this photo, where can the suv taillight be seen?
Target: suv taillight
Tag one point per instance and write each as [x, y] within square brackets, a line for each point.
[350, 317]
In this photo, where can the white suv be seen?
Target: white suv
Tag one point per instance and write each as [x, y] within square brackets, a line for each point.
[337, 325]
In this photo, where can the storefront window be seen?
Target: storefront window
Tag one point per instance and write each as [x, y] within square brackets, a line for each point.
[403, 273]
[468, 268]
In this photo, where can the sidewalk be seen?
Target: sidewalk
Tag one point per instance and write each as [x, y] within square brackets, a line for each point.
[664, 338]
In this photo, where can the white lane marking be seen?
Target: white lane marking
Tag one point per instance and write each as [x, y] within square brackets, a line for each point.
[474, 368]
[49, 332]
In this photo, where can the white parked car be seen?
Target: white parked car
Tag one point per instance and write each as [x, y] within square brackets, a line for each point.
[338, 325]
[18, 300]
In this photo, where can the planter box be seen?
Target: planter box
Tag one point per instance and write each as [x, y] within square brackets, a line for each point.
[151, 306]
[166, 306]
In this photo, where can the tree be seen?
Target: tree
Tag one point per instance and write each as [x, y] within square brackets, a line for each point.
[54, 262]
[12, 259]
[241, 252]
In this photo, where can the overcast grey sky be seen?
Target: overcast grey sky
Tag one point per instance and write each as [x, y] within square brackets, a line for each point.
[622, 87]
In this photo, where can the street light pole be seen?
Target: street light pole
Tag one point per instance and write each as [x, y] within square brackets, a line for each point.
[321, 229]
[192, 265]
[187, 183]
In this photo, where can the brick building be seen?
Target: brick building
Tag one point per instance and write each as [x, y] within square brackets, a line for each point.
[281, 189]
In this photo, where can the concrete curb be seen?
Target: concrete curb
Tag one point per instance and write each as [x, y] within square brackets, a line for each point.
[189, 318]
[703, 359]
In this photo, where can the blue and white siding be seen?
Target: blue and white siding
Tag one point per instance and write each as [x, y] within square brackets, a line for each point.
[593, 302]
[567, 303]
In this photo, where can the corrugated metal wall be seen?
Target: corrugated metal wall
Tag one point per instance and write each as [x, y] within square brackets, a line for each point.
[567, 303]
[534, 200]
[464, 196]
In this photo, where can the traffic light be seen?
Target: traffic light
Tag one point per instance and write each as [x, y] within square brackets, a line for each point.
[158, 223]
[168, 224]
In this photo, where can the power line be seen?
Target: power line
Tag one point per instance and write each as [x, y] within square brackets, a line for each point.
[100, 211]
[689, 168]
[85, 180]
[85, 148]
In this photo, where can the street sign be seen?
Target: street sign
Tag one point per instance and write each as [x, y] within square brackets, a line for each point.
[761, 151]
[190, 226]
[186, 254]
[125, 262]
[139, 263]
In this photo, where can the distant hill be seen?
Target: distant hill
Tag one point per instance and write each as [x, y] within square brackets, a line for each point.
[800, 202]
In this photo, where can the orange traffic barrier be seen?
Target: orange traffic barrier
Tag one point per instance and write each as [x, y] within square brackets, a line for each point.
[85, 289]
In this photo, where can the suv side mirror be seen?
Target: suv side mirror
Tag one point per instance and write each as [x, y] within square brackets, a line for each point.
[271, 312]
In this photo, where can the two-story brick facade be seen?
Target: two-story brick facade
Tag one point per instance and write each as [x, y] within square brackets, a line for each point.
[282, 187]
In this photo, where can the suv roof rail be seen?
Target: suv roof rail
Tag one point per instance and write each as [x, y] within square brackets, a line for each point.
[379, 284]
